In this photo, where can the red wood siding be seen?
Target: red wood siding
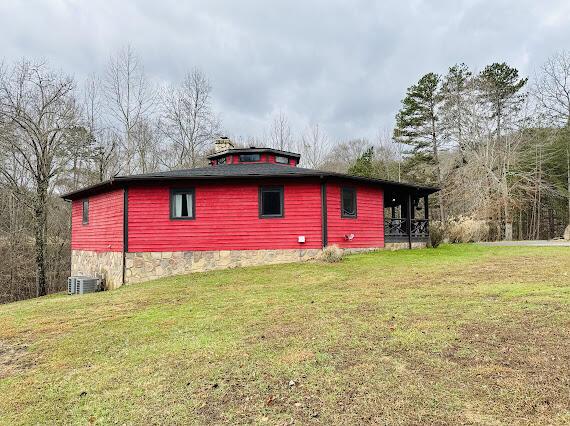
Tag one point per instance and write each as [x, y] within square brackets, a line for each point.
[104, 232]
[368, 227]
[227, 218]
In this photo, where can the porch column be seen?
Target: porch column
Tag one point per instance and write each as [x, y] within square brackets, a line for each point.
[409, 219]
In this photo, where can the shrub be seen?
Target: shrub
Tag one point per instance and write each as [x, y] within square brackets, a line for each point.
[436, 234]
[332, 254]
[467, 230]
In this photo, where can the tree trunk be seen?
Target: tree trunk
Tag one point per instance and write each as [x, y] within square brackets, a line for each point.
[508, 231]
[506, 210]
[40, 216]
[437, 169]
[568, 179]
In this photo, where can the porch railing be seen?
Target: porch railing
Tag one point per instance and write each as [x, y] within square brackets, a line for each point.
[398, 228]
[420, 228]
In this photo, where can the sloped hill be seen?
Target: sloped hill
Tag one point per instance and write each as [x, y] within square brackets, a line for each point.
[459, 334]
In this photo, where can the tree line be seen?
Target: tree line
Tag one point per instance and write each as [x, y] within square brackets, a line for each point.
[496, 143]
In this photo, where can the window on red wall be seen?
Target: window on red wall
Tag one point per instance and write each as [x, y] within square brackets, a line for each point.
[281, 159]
[348, 203]
[85, 211]
[270, 201]
[182, 204]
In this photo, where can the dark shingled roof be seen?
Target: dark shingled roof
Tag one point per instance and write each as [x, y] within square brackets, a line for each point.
[237, 171]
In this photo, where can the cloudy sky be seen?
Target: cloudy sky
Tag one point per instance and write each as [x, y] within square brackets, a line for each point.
[342, 64]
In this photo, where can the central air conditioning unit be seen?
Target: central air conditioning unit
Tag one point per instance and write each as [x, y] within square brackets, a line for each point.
[83, 284]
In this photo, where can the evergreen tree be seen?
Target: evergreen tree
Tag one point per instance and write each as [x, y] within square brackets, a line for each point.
[364, 164]
[500, 90]
[454, 111]
[499, 87]
[417, 126]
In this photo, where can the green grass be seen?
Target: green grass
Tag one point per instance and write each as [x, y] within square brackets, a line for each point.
[459, 334]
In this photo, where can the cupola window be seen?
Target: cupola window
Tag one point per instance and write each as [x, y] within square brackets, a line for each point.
[249, 158]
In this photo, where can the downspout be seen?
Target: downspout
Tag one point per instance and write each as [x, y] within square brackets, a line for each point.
[125, 231]
[324, 226]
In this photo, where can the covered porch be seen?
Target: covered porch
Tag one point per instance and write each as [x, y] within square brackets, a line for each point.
[406, 215]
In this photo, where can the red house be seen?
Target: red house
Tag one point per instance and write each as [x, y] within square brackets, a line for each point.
[250, 206]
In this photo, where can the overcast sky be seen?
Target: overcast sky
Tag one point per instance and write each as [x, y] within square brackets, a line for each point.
[342, 64]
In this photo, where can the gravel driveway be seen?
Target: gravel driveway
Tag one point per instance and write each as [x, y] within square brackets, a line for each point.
[536, 243]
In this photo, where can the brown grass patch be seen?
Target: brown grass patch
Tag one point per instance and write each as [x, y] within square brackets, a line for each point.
[521, 364]
[14, 358]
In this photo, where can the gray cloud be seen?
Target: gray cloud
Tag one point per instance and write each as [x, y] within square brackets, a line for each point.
[342, 64]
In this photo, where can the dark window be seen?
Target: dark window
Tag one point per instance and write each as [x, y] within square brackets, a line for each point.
[85, 212]
[348, 202]
[247, 158]
[281, 160]
[182, 204]
[271, 201]
[222, 160]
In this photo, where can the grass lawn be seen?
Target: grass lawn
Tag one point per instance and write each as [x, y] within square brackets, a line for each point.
[459, 334]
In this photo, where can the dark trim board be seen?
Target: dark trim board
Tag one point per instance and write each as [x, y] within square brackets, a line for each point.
[324, 230]
[125, 230]
[409, 217]
[126, 220]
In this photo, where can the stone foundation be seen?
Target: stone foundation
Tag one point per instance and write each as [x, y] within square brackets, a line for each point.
[403, 246]
[146, 266]
[106, 265]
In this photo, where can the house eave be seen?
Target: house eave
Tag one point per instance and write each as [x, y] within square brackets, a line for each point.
[122, 181]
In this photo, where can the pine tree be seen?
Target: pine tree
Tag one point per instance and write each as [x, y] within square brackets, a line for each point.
[364, 164]
[454, 111]
[500, 89]
[417, 126]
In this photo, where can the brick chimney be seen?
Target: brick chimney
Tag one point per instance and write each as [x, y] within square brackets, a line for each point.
[222, 144]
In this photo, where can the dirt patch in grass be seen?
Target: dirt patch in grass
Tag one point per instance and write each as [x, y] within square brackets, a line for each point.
[14, 358]
[519, 365]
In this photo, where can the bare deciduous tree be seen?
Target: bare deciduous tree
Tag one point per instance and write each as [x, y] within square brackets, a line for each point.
[130, 99]
[552, 91]
[280, 136]
[104, 140]
[38, 108]
[148, 147]
[314, 146]
[552, 88]
[189, 121]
